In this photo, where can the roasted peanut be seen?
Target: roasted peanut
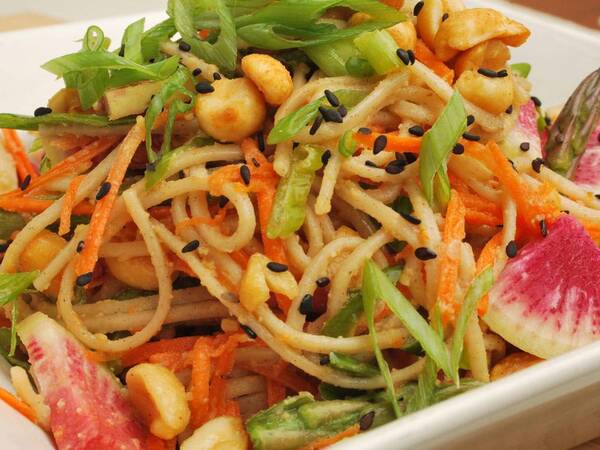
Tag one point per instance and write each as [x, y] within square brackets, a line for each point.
[492, 54]
[467, 28]
[513, 363]
[429, 20]
[160, 399]
[222, 433]
[405, 34]
[235, 110]
[270, 76]
[492, 94]
[258, 281]
[39, 253]
[137, 272]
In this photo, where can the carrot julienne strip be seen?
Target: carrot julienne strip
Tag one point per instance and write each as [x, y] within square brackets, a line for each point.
[15, 148]
[18, 405]
[487, 258]
[145, 351]
[68, 205]
[427, 57]
[38, 205]
[330, 440]
[395, 142]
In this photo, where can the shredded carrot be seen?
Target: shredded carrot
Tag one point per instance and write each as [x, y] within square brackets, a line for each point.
[395, 142]
[330, 440]
[200, 382]
[427, 57]
[240, 257]
[145, 351]
[487, 257]
[396, 4]
[18, 405]
[89, 255]
[216, 220]
[38, 205]
[68, 205]
[173, 361]
[15, 148]
[275, 392]
[454, 233]
[71, 141]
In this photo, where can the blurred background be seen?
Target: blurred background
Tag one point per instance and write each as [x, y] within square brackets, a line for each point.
[16, 14]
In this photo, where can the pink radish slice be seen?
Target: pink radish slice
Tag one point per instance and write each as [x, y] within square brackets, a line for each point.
[525, 130]
[546, 301]
[587, 170]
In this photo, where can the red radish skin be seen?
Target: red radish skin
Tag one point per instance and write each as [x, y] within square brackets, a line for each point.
[88, 408]
[525, 130]
[546, 301]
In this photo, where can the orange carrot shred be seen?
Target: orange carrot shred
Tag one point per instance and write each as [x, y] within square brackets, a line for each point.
[89, 255]
[38, 205]
[395, 142]
[68, 205]
[487, 257]
[18, 405]
[145, 351]
[330, 440]
[216, 220]
[454, 233]
[275, 392]
[15, 148]
[427, 57]
[200, 382]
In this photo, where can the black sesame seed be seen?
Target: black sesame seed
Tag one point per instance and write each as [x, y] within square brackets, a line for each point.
[470, 120]
[365, 131]
[416, 130]
[487, 72]
[342, 110]
[366, 421]
[502, 73]
[445, 17]
[411, 56]
[306, 305]
[249, 332]
[536, 101]
[418, 7]
[84, 279]
[204, 87]
[471, 137]
[324, 360]
[410, 157]
[323, 281]
[403, 55]
[543, 228]
[331, 115]
[184, 46]
[395, 167]
[509, 110]
[25, 183]
[191, 246]
[458, 149]
[524, 146]
[400, 157]
[80, 246]
[536, 164]
[42, 111]
[103, 191]
[197, 71]
[316, 125]
[410, 218]
[255, 162]
[217, 76]
[325, 157]
[223, 201]
[122, 51]
[379, 144]
[277, 267]
[370, 163]
[511, 249]
[332, 98]
[425, 254]
[260, 140]
[245, 174]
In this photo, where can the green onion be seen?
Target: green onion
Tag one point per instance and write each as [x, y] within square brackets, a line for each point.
[437, 144]
[379, 48]
[352, 365]
[426, 386]
[175, 84]
[132, 41]
[19, 122]
[359, 67]
[378, 286]
[223, 52]
[480, 286]
[291, 124]
[9, 223]
[289, 206]
[94, 39]
[152, 38]
[521, 69]
[347, 145]
[12, 285]
[332, 58]
[371, 294]
[376, 9]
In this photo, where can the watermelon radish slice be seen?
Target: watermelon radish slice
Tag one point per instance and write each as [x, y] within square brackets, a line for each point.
[525, 130]
[88, 409]
[546, 301]
[587, 170]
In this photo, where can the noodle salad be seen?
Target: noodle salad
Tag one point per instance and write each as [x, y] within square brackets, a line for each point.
[278, 224]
